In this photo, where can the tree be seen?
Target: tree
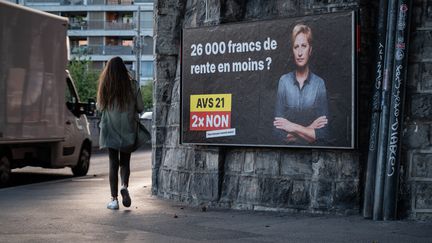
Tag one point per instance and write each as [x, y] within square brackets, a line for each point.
[85, 78]
[147, 95]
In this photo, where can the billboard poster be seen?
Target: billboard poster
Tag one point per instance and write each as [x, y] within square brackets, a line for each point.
[277, 83]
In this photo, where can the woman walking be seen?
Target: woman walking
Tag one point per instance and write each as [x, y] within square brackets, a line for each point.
[120, 102]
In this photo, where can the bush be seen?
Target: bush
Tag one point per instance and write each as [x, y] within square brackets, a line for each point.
[147, 95]
[85, 78]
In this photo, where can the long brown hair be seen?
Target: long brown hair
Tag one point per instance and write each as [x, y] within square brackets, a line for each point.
[115, 86]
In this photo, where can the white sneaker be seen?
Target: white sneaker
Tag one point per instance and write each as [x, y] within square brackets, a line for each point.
[125, 196]
[113, 205]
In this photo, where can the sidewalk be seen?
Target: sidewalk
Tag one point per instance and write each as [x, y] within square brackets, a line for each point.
[74, 210]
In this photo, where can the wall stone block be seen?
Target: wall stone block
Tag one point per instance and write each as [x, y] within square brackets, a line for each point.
[172, 136]
[162, 91]
[416, 136]
[206, 160]
[174, 116]
[190, 158]
[176, 92]
[164, 180]
[172, 157]
[166, 67]
[321, 194]
[195, 14]
[200, 163]
[347, 195]
[212, 161]
[275, 191]
[421, 165]
[174, 182]
[417, 13]
[203, 187]
[267, 162]
[325, 165]
[184, 183]
[428, 10]
[426, 80]
[249, 163]
[413, 76]
[423, 195]
[167, 43]
[155, 187]
[233, 10]
[259, 9]
[165, 24]
[248, 190]
[234, 161]
[213, 11]
[163, 7]
[421, 44]
[421, 106]
[296, 166]
[300, 196]
[160, 117]
[348, 167]
[230, 188]
[415, 46]
[157, 154]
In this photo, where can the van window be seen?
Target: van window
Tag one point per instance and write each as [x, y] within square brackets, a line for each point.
[71, 97]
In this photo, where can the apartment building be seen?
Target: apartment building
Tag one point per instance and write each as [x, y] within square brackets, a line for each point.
[101, 29]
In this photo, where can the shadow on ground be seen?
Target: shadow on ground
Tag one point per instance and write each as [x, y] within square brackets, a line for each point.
[25, 178]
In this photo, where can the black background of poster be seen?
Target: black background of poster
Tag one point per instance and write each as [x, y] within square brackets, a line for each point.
[254, 92]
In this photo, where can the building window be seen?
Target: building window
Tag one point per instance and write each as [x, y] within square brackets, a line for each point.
[147, 45]
[147, 69]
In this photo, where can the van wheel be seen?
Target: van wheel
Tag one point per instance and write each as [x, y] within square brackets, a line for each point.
[83, 164]
[5, 169]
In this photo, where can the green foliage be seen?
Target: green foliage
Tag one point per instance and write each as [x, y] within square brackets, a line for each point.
[85, 78]
[147, 95]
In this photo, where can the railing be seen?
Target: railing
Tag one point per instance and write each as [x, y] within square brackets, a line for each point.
[109, 25]
[119, 2]
[100, 25]
[57, 2]
[102, 50]
[84, 2]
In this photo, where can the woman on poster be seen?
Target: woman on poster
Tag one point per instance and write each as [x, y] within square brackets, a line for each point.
[301, 109]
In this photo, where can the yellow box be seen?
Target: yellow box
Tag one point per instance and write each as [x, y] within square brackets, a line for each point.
[210, 102]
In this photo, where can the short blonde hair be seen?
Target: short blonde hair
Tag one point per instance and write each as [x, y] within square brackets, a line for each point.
[301, 28]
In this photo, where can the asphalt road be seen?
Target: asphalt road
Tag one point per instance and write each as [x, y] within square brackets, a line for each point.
[73, 209]
[140, 160]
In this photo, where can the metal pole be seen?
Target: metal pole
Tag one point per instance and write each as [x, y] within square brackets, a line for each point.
[376, 100]
[138, 47]
[396, 107]
[384, 117]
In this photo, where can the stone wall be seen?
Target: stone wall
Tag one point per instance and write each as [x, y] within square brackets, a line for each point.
[316, 180]
[416, 190]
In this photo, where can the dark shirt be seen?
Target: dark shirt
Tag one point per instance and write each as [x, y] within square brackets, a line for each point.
[302, 106]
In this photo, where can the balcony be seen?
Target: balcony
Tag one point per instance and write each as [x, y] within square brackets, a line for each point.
[119, 2]
[88, 5]
[100, 25]
[102, 50]
[43, 2]
[81, 2]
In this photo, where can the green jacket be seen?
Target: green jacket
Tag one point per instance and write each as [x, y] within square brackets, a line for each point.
[118, 129]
